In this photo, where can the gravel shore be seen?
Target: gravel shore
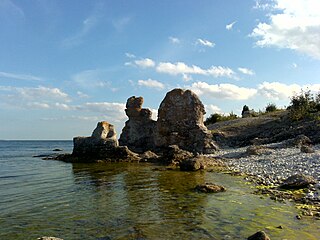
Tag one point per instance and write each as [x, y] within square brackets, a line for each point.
[275, 165]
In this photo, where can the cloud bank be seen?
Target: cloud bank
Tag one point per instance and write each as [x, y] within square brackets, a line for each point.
[293, 25]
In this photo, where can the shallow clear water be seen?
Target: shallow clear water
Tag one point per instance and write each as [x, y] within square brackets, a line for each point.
[129, 201]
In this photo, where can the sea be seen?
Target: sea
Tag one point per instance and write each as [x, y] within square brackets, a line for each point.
[130, 201]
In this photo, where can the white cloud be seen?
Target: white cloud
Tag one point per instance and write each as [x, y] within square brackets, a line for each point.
[179, 68]
[210, 109]
[277, 90]
[37, 105]
[93, 78]
[205, 42]
[263, 5]
[41, 93]
[103, 107]
[223, 91]
[130, 55]
[20, 76]
[183, 69]
[218, 71]
[174, 40]
[230, 26]
[293, 25]
[32, 97]
[186, 77]
[246, 71]
[82, 95]
[145, 63]
[151, 84]
[294, 65]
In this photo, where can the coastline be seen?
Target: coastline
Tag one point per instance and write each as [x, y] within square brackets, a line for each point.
[268, 170]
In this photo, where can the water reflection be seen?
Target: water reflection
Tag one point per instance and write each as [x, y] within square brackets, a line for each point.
[133, 201]
[145, 203]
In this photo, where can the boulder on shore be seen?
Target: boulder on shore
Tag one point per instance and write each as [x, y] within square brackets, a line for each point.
[298, 181]
[138, 132]
[180, 122]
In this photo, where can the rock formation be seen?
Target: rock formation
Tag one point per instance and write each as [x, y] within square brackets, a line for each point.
[138, 133]
[102, 145]
[180, 122]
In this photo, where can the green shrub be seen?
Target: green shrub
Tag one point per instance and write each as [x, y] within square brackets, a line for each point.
[216, 117]
[271, 107]
[304, 105]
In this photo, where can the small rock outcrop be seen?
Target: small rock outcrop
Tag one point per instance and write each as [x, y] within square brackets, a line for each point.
[210, 188]
[200, 162]
[180, 122]
[261, 235]
[297, 181]
[257, 150]
[103, 138]
[173, 155]
[307, 149]
[138, 132]
[102, 145]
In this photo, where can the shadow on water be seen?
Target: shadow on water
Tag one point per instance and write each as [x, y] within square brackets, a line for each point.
[133, 201]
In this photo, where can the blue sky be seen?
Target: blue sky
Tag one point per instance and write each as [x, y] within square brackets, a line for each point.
[65, 65]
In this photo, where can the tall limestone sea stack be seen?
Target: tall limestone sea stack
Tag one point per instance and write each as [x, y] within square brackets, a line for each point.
[138, 132]
[180, 122]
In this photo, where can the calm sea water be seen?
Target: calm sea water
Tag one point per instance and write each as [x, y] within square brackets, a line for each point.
[129, 201]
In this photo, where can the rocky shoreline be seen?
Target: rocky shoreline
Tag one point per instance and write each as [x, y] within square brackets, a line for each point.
[269, 169]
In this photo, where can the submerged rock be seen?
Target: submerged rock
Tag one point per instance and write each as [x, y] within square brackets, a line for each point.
[210, 188]
[261, 235]
[180, 122]
[138, 132]
[298, 181]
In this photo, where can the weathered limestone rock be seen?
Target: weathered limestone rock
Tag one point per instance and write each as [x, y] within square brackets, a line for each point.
[261, 235]
[138, 133]
[149, 156]
[103, 138]
[210, 188]
[298, 141]
[174, 155]
[102, 145]
[180, 122]
[257, 150]
[298, 181]
[200, 162]
[307, 149]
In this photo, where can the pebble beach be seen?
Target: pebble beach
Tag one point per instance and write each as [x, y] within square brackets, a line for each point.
[277, 164]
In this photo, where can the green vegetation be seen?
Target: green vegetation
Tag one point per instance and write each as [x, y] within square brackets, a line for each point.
[271, 107]
[304, 105]
[216, 117]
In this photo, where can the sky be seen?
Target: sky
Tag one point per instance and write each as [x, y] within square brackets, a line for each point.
[65, 65]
